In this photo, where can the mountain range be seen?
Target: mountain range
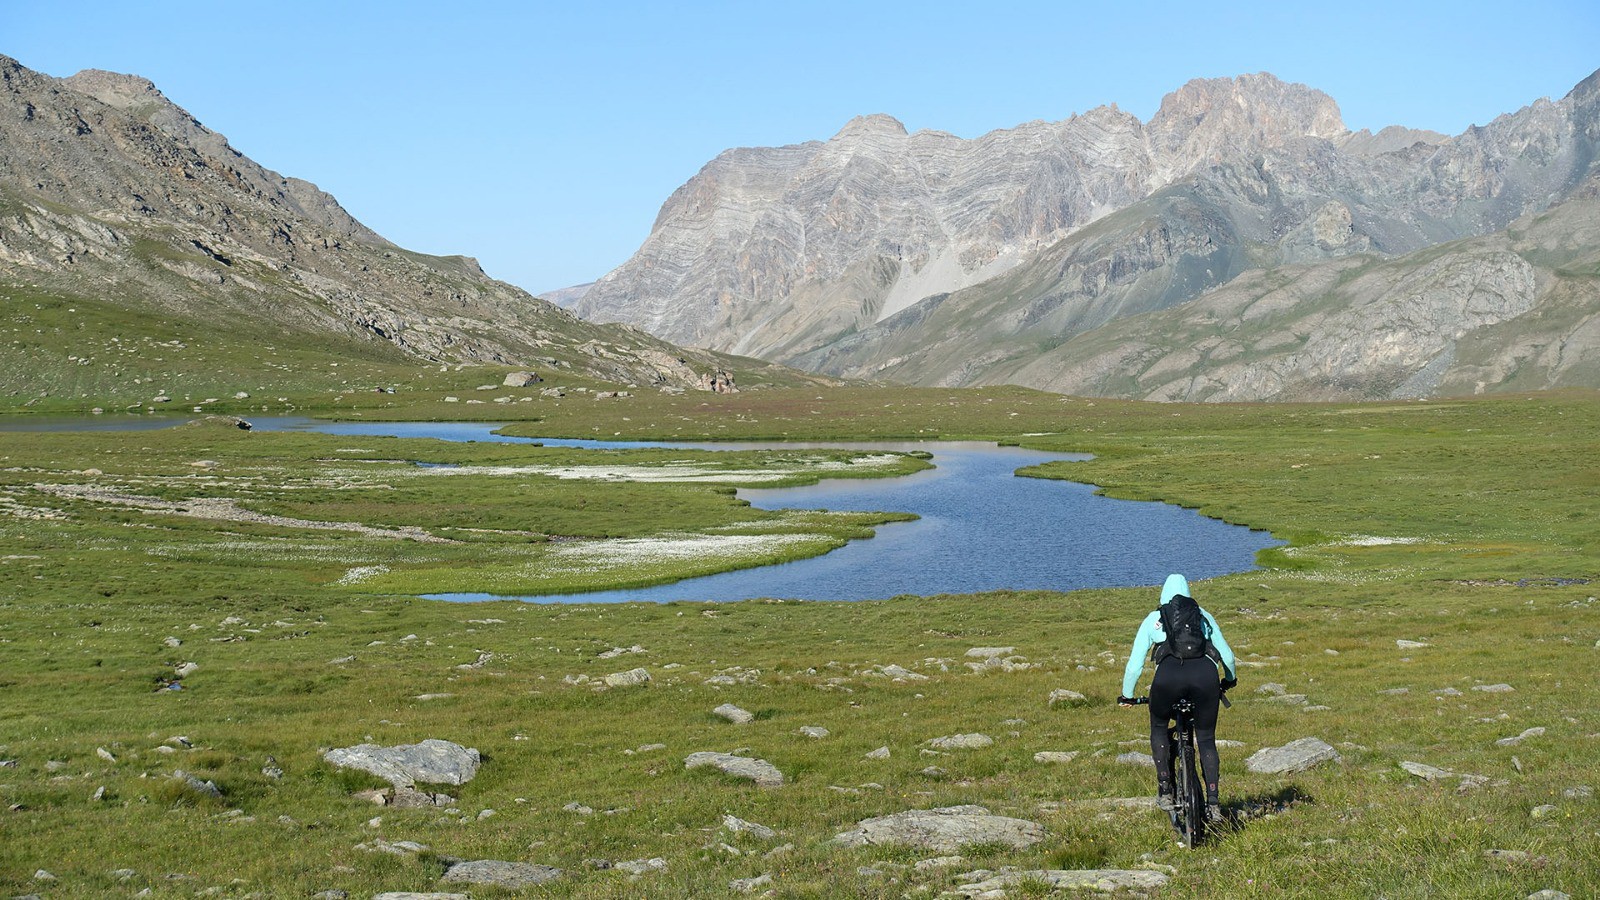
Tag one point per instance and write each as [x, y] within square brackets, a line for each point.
[119, 207]
[1242, 244]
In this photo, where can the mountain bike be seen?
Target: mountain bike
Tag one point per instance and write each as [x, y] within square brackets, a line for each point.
[1188, 811]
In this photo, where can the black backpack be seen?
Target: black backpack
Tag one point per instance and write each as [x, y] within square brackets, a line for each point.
[1188, 633]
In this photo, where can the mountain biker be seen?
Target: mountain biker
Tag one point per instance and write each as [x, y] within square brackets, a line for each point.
[1174, 680]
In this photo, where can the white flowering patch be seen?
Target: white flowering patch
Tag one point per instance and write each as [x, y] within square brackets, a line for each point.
[593, 556]
[1367, 540]
[362, 573]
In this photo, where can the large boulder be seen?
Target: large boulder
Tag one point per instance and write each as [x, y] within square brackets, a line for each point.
[511, 875]
[947, 830]
[521, 379]
[431, 762]
[757, 770]
[1295, 756]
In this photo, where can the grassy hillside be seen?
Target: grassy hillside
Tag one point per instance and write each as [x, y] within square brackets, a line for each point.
[1466, 526]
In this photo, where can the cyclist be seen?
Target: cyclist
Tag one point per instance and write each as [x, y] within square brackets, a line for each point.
[1174, 680]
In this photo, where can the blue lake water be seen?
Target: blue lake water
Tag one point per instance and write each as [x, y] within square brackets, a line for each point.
[982, 528]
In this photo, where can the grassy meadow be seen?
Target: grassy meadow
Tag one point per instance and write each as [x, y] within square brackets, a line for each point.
[1467, 526]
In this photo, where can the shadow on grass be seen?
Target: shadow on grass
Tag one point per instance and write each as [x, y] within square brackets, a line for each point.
[1256, 806]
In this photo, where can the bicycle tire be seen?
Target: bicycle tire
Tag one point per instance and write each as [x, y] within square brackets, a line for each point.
[1194, 803]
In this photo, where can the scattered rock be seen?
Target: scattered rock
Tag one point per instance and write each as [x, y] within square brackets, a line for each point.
[1543, 811]
[1295, 756]
[630, 678]
[1581, 792]
[740, 826]
[512, 875]
[813, 731]
[395, 848]
[734, 714]
[947, 829]
[1058, 756]
[759, 771]
[637, 867]
[1425, 772]
[432, 761]
[1410, 645]
[900, 673]
[749, 885]
[105, 754]
[1066, 879]
[208, 788]
[990, 652]
[615, 652]
[521, 379]
[172, 642]
[1136, 758]
[1062, 695]
[426, 697]
[1549, 894]
[184, 670]
[935, 863]
[413, 895]
[43, 875]
[579, 808]
[880, 753]
[1493, 688]
[1513, 741]
[962, 741]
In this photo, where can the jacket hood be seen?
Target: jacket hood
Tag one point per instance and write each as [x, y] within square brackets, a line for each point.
[1176, 584]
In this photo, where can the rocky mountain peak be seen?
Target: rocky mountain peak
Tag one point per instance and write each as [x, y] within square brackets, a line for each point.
[876, 124]
[124, 92]
[1214, 118]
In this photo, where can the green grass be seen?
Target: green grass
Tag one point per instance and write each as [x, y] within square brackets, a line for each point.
[1492, 498]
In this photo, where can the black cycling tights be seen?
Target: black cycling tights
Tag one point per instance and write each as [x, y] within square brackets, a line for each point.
[1196, 679]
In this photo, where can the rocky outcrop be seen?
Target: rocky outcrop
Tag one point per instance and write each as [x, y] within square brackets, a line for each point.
[934, 260]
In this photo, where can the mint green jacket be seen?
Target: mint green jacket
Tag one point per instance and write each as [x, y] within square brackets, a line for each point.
[1150, 634]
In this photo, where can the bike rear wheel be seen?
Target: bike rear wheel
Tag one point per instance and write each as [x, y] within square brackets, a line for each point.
[1191, 797]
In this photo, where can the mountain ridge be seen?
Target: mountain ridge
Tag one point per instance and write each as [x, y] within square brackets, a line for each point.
[806, 254]
[110, 191]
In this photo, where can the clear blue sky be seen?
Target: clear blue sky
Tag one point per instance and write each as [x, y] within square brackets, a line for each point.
[543, 137]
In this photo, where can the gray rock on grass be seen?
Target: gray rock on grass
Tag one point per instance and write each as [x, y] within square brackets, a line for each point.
[637, 867]
[1068, 879]
[1063, 696]
[432, 761]
[760, 771]
[814, 731]
[945, 830]
[749, 885]
[740, 826]
[1135, 758]
[511, 875]
[1057, 756]
[962, 742]
[1295, 756]
[414, 895]
[1425, 771]
[630, 678]
[1534, 732]
[734, 714]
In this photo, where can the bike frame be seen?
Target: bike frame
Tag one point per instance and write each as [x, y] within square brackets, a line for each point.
[1189, 807]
